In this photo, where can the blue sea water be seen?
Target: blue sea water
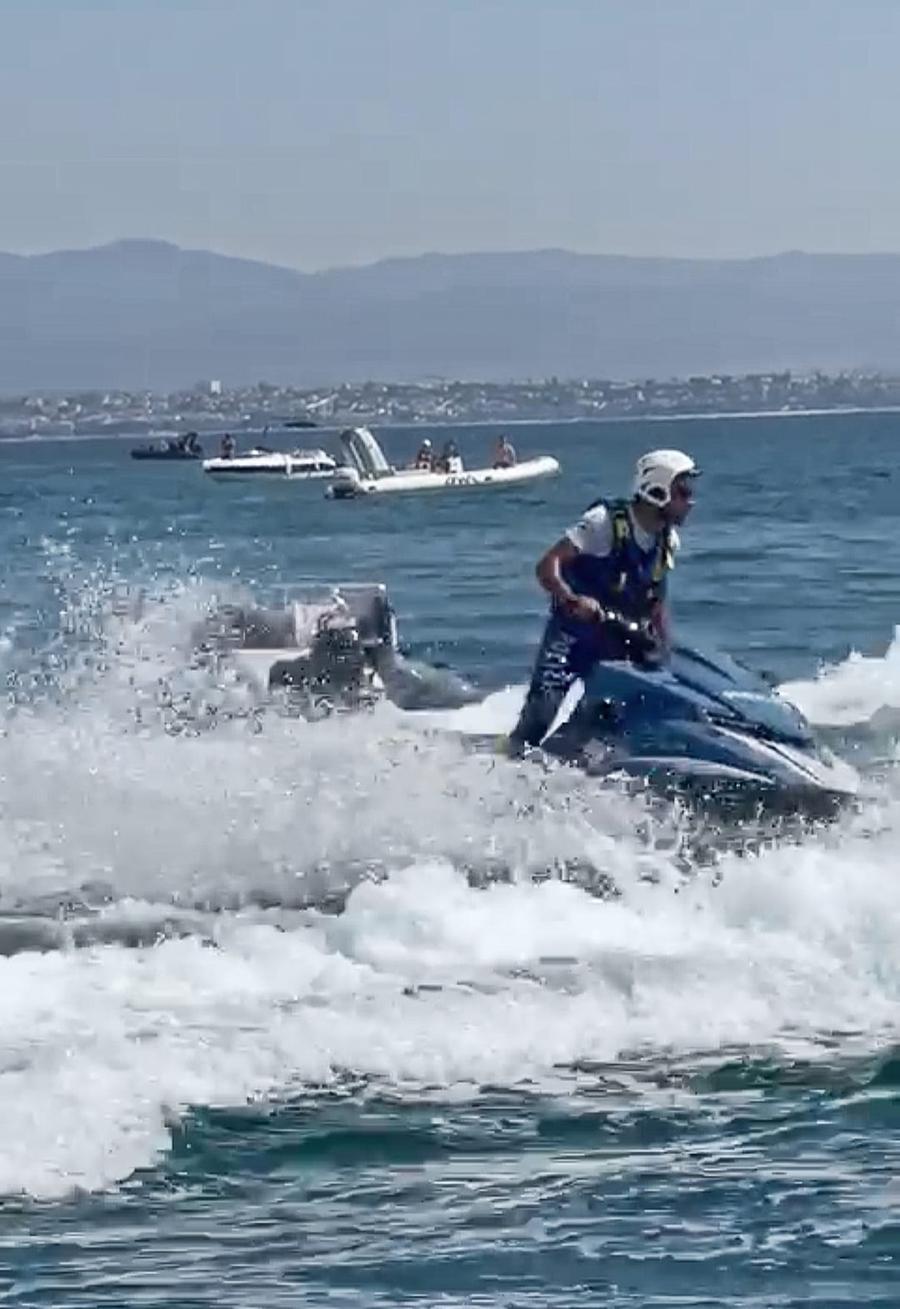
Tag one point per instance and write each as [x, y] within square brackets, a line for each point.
[216, 1090]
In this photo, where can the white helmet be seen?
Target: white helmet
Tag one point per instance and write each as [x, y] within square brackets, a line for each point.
[655, 472]
[426, 444]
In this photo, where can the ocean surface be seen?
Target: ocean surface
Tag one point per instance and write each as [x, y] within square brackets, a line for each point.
[217, 1090]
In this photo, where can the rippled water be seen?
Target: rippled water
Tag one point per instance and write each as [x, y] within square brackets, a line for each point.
[270, 1031]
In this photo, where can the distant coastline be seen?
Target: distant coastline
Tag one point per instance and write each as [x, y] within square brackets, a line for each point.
[326, 429]
[211, 407]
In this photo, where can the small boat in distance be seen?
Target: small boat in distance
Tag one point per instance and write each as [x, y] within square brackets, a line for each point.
[367, 471]
[263, 462]
[171, 449]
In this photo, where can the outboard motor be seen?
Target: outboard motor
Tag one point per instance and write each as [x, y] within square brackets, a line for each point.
[333, 652]
[347, 483]
[333, 673]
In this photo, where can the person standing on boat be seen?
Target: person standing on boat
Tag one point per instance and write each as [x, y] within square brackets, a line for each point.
[228, 446]
[450, 460]
[504, 453]
[424, 459]
[612, 565]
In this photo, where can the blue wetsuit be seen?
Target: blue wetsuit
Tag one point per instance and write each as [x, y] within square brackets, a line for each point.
[629, 581]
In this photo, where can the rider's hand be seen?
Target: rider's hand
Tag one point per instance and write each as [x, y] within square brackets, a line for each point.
[644, 644]
[584, 608]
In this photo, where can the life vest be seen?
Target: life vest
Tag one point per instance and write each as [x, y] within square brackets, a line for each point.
[628, 579]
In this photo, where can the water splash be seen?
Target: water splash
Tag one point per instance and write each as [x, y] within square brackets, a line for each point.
[862, 689]
[212, 845]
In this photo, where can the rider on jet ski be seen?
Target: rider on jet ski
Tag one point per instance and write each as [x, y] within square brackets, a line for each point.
[607, 583]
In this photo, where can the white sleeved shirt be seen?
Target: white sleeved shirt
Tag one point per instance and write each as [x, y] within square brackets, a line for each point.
[593, 533]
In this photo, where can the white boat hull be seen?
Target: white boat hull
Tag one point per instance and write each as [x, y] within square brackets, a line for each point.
[305, 467]
[350, 485]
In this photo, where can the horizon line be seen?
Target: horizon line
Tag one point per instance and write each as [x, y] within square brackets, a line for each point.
[165, 243]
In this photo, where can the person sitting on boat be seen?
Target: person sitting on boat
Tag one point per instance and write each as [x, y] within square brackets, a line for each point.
[450, 460]
[504, 453]
[425, 458]
[612, 565]
[228, 446]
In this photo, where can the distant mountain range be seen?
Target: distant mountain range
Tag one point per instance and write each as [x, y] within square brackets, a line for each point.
[139, 314]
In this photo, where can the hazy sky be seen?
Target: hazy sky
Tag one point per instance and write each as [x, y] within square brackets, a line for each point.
[322, 132]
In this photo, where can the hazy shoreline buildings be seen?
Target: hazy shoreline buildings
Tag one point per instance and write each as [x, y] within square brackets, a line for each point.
[210, 406]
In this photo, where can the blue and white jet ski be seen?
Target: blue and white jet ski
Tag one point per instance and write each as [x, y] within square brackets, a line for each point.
[705, 727]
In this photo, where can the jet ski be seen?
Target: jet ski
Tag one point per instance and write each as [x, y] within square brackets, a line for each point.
[331, 650]
[702, 726]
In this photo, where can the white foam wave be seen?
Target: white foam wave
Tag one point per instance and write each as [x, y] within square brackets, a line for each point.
[853, 692]
[427, 983]
[424, 981]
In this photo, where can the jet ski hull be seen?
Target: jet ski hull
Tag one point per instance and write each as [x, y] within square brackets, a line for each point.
[706, 729]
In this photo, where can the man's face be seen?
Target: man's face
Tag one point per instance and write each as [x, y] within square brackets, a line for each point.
[682, 499]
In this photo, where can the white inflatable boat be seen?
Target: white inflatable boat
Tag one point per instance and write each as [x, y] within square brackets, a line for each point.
[367, 471]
